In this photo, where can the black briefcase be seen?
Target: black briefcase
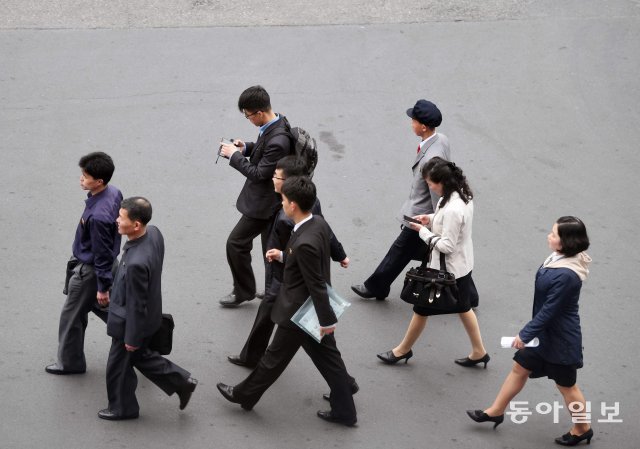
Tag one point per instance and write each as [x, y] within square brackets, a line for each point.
[162, 340]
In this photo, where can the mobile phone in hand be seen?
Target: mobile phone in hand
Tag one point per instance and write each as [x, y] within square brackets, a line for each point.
[411, 220]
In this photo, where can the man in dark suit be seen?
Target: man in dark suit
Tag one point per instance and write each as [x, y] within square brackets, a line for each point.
[257, 201]
[306, 274]
[135, 314]
[425, 118]
[279, 235]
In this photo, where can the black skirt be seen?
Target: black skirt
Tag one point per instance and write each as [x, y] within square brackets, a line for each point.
[529, 359]
[467, 298]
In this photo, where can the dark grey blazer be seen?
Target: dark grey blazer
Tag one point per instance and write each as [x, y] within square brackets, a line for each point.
[135, 303]
[257, 198]
[307, 270]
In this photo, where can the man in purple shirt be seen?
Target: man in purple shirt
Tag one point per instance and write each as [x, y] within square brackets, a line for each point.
[89, 271]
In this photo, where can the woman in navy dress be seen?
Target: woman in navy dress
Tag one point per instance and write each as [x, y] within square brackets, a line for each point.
[556, 323]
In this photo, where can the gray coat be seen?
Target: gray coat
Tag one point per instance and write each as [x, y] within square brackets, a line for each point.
[421, 200]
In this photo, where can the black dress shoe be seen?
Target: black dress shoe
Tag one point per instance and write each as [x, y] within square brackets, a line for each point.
[227, 392]
[364, 292]
[471, 362]
[236, 360]
[328, 416]
[185, 393]
[480, 416]
[390, 358]
[109, 415]
[231, 300]
[354, 389]
[54, 368]
[568, 439]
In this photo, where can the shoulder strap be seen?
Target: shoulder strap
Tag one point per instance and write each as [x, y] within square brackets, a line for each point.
[285, 131]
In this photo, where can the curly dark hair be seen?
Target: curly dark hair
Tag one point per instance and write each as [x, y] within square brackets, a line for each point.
[451, 177]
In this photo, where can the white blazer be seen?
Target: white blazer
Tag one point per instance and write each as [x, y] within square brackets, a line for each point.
[452, 223]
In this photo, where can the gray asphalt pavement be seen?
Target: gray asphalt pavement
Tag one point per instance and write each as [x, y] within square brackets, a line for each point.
[540, 102]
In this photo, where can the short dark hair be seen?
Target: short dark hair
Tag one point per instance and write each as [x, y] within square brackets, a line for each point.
[98, 165]
[451, 177]
[300, 190]
[138, 208]
[292, 166]
[573, 235]
[254, 98]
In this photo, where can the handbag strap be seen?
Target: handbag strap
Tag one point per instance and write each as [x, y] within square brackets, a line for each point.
[431, 243]
[443, 265]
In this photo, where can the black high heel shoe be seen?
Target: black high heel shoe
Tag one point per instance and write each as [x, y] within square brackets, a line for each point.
[390, 358]
[470, 362]
[568, 439]
[480, 416]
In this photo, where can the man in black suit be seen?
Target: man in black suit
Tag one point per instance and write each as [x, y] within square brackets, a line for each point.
[257, 201]
[279, 235]
[306, 273]
[135, 314]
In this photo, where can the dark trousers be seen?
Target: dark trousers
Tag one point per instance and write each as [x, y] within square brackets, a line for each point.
[407, 247]
[258, 339]
[81, 299]
[239, 246]
[262, 328]
[122, 380]
[325, 356]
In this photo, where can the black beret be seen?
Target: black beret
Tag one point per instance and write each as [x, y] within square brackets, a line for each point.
[426, 113]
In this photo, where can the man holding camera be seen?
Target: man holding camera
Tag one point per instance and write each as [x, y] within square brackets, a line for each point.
[257, 201]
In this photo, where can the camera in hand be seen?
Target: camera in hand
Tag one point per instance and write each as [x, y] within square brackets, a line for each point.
[223, 141]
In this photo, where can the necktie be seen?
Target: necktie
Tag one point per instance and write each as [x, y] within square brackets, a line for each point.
[418, 150]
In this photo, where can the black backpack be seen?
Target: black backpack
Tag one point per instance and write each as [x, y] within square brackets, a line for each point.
[303, 146]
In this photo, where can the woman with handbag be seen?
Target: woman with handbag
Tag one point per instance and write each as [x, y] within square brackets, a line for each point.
[450, 228]
[556, 323]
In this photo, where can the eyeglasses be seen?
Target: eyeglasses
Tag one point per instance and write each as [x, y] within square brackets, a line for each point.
[277, 177]
[250, 115]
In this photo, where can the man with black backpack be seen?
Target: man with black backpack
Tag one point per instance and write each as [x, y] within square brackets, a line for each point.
[257, 201]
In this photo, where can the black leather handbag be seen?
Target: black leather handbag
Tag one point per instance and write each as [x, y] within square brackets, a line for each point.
[429, 288]
[162, 340]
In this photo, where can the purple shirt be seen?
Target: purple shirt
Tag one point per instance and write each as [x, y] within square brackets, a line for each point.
[97, 240]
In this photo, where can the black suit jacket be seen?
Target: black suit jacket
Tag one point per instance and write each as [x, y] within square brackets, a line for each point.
[283, 225]
[306, 272]
[135, 303]
[279, 238]
[257, 198]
